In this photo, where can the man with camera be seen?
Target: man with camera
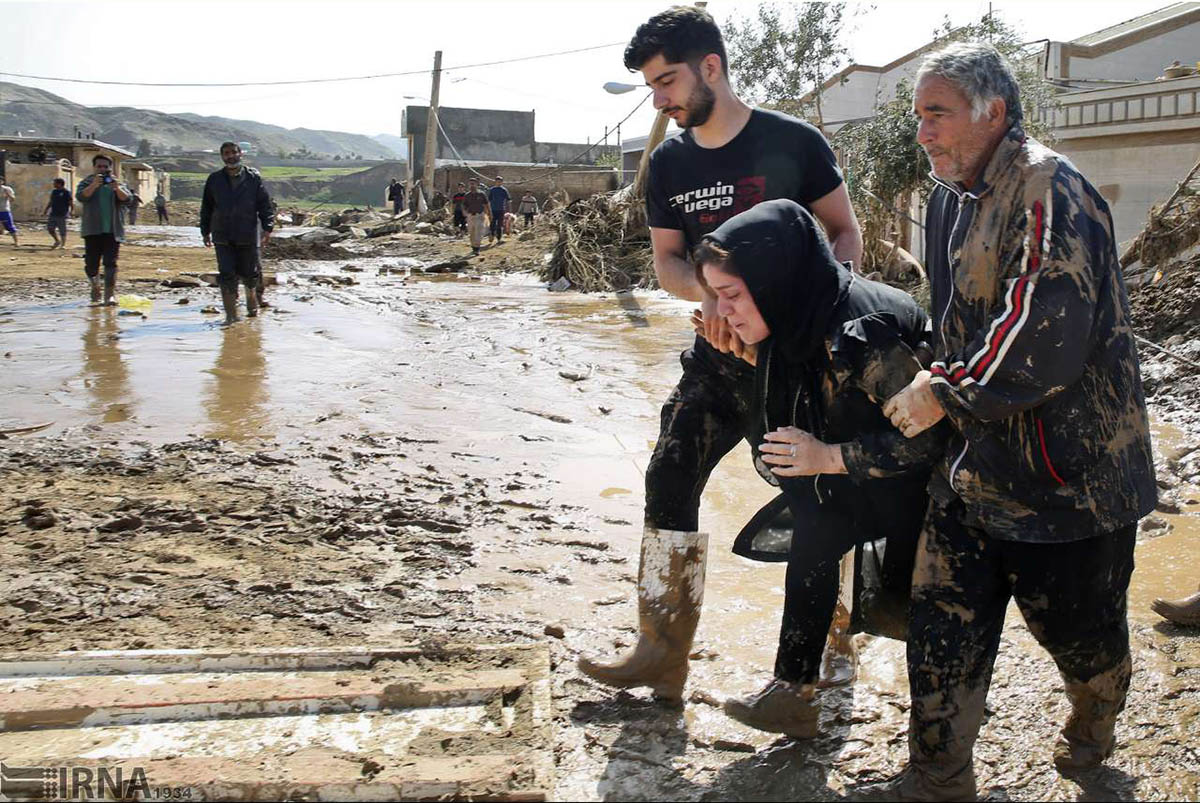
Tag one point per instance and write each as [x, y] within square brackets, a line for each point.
[102, 226]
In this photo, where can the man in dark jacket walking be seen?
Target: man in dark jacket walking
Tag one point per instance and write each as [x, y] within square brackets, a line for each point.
[395, 194]
[235, 207]
[1049, 467]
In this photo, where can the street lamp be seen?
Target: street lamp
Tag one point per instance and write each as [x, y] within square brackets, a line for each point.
[616, 88]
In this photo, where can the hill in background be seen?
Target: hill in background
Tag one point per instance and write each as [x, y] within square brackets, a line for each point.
[24, 108]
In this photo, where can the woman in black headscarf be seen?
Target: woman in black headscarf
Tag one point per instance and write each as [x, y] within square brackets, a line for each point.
[831, 348]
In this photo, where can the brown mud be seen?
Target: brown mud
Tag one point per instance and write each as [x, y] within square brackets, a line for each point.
[457, 458]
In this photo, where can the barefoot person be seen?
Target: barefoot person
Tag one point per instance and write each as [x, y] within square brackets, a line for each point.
[236, 216]
[102, 226]
[831, 348]
[729, 158]
[1048, 467]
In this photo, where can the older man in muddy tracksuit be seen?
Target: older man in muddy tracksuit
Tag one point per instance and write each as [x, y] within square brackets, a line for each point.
[1049, 466]
[235, 208]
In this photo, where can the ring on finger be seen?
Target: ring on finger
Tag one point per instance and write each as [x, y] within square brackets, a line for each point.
[792, 451]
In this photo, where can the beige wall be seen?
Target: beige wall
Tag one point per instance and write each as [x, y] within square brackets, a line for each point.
[141, 181]
[32, 185]
[1134, 172]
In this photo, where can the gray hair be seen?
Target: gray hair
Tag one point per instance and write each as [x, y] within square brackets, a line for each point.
[981, 73]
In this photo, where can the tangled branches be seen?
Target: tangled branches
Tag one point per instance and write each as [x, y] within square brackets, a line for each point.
[601, 245]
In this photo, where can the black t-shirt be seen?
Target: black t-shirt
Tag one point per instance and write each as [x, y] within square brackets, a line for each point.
[694, 189]
[60, 203]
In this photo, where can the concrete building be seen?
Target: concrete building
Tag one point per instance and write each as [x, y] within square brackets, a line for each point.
[1131, 130]
[492, 135]
[631, 153]
[32, 163]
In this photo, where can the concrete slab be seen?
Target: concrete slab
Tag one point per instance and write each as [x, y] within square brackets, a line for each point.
[348, 724]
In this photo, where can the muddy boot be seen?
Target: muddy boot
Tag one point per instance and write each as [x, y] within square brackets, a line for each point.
[1088, 738]
[110, 289]
[670, 591]
[839, 662]
[911, 785]
[1185, 612]
[251, 301]
[229, 302]
[94, 283]
[781, 707]
[261, 295]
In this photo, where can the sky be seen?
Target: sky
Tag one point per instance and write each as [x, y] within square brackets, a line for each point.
[222, 41]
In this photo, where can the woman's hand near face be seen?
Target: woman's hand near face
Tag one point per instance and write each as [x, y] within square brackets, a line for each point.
[792, 452]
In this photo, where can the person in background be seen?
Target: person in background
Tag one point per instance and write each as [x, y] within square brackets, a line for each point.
[460, 217]
[499, 202]
[135, 201]
[475, 205]
[102, 225]
[160, 206]
[395, 194]
[528, 208]
[60, 206]
[7, 196]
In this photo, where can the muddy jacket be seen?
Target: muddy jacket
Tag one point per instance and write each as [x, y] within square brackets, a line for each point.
[1034, 358]
[839, 347]
[231, 216]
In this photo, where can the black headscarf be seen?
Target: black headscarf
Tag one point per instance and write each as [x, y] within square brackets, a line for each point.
[779, 251]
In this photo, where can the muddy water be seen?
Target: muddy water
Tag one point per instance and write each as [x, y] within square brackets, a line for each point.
[477, 366]
[483, 367]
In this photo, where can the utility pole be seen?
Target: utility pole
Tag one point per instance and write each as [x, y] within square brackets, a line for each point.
[431, 128]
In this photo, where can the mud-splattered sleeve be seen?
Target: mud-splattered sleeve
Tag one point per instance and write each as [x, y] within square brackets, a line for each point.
[883, 365]
[1038, 336]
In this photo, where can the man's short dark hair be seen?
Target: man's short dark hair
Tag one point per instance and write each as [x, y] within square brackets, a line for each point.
[682, 33]
[59, 181]
[225, 145]
[100, 156]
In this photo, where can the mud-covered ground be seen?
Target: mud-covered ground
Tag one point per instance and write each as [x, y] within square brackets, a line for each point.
[457, 458]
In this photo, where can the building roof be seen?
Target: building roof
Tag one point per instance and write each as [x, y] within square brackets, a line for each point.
[95, 143]
[1138, 24]
[634, 144]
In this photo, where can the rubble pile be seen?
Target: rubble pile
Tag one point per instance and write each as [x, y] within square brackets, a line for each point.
[597, 248]
[1162, 266]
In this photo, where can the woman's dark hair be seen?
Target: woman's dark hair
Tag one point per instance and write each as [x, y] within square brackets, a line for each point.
[682, 33]
[709, 253]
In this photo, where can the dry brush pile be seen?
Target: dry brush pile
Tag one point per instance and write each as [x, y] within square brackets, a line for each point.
[603, 244]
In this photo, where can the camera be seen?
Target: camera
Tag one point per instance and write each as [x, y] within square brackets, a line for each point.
[107, 179]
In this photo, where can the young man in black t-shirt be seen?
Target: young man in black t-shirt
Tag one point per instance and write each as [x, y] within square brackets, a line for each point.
[729, 158]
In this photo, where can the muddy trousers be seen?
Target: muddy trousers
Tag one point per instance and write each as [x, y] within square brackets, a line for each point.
[237, 264]
[497, 228]
[1072, 595]
[810, 597]
[475, 228]
[703, 419]
[99, 248]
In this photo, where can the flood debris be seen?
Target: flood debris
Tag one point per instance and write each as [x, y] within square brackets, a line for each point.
[598, 249]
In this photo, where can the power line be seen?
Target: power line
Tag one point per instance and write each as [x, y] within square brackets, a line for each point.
[312, 80]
